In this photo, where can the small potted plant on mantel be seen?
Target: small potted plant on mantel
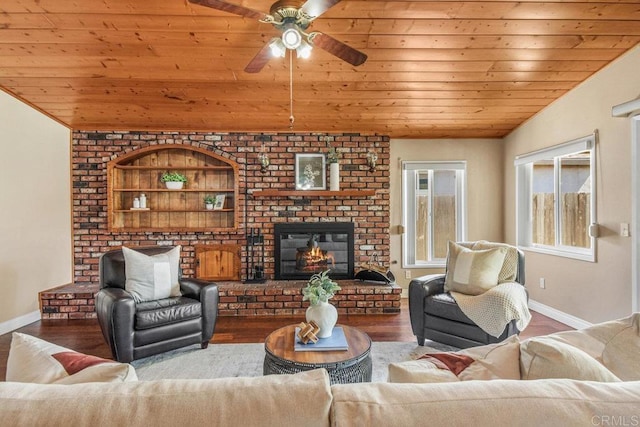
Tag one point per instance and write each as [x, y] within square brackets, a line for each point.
[318, 292]
[209, 200]
[173, 180]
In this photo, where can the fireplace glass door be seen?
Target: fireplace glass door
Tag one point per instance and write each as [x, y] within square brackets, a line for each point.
[304, 249]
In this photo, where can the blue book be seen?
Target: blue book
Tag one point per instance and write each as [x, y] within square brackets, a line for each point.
[337, 341]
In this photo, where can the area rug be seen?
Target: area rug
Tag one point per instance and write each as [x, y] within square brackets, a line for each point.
[245, 360]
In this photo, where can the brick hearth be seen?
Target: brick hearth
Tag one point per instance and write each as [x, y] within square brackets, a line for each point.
[273, 298]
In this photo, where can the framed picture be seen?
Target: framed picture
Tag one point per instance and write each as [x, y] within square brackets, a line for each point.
[311, 172]
[219, 203]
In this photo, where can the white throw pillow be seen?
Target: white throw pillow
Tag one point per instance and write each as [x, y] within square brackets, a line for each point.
[473, 272]
[544, 357]
[152, 277]
[32, 360]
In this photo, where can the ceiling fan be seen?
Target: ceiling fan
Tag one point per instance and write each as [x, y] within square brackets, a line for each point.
[292, 18]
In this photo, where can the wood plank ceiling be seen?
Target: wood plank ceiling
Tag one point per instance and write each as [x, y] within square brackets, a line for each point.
[435, 69]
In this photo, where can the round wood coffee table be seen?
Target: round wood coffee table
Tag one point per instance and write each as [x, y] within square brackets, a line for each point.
[344, 366]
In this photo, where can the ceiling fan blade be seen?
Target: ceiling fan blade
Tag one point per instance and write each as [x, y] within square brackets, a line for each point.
[260, 60]
[315, 8]
[337, 48]
[231, 8]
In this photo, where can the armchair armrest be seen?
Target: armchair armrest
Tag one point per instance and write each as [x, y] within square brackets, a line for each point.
[207, 293]
[115, 309]
[419, 289]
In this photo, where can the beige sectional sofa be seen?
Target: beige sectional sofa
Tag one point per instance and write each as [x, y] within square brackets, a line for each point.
[307, 399]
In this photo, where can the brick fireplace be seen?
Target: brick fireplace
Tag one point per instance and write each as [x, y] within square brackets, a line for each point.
[92, 150]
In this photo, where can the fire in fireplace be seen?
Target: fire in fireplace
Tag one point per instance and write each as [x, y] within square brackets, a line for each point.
[302, 249]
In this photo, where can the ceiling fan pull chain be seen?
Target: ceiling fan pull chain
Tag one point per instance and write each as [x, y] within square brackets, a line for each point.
[291, 118]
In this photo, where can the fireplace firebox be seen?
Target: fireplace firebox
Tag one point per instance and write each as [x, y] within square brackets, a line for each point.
[302, 249]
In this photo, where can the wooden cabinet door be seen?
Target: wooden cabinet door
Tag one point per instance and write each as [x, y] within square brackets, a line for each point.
[218, 262]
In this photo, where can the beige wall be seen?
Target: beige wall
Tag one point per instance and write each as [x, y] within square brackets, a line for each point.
[484, 189]
[590, 291]
[35, 210]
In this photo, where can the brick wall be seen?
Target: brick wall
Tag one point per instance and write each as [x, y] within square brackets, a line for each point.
[92, 150]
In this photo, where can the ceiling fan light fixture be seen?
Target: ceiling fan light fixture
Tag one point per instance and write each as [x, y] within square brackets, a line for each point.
[278, 49]
[304, 50]
[291, 36]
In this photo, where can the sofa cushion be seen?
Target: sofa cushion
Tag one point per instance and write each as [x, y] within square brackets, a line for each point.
[151, 314]
[487, 362]
[615, 344]
[152, 277]
[542, 357]
[272, 400]
[443, 305]
[34, 360]
[553, 402]
[473, 272]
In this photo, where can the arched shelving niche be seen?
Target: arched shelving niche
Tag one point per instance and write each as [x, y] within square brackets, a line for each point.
[140, 171]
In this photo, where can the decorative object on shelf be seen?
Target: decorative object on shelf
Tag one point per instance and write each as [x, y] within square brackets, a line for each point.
[209, 201]
[219, 202]
[334, 169]
[372, 158]
[263, 159]
[173, 180]
[143, 201]
[318, 291]
[136, 203]
[308, 332]
[311, 172]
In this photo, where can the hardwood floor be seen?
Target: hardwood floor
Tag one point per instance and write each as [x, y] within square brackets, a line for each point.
[85, 335]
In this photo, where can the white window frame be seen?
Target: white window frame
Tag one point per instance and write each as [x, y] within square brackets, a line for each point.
[409, 192]
[524, 184]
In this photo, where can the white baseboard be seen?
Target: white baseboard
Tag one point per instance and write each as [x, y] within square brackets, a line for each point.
[19, 322]
[558, 315]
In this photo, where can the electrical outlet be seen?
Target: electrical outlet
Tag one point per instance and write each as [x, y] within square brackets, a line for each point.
[407, 274]
[542, 283]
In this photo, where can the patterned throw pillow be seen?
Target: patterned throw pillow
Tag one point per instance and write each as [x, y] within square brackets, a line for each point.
[32, 360]
[152, 277]
[509, 269]
[473, 272]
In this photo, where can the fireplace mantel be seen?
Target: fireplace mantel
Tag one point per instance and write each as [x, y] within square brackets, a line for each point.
[313, 193]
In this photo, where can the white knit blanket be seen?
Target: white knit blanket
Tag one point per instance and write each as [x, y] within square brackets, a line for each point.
[494, 309]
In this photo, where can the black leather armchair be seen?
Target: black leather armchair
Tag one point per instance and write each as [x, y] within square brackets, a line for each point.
[436, 316]
[136, 330]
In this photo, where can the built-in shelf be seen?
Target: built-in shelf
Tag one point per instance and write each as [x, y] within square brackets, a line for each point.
[141, 171]
[313, 193]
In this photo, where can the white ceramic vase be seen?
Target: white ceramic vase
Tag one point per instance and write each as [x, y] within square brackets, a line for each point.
[334, 176]
[174, 185]
[325, 315]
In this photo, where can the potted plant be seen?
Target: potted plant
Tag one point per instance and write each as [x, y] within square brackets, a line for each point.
[209, 200]
[319, 290]
[334, 169]
[173, 180]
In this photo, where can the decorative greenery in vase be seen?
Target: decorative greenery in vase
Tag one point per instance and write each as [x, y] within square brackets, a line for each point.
[333, 155]
[173, 177]
[320, 288]
[209, 200]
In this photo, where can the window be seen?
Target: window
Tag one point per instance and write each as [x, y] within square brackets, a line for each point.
[433, 211]
[556, 199]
